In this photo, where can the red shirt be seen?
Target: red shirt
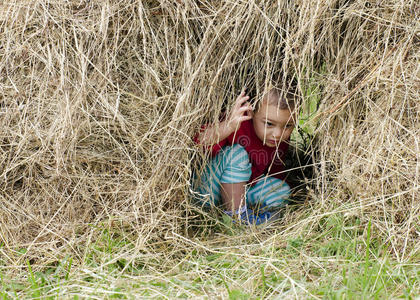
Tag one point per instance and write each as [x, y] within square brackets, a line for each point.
[264, 159]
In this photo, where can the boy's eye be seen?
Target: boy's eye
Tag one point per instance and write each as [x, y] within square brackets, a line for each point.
[268, 123]
[290, 125]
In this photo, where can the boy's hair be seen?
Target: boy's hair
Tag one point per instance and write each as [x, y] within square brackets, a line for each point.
[283, 98]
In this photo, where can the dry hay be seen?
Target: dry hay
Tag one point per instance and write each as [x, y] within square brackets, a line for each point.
[99, 101]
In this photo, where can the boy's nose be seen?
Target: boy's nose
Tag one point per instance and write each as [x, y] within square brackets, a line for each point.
[277, 133]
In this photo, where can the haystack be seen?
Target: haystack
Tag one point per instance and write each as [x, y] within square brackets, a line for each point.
[99, 102]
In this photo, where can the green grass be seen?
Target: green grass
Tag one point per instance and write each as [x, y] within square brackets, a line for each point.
[340, 259]
[307, 120]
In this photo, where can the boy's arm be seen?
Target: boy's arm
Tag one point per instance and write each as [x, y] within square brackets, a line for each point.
[213, 134]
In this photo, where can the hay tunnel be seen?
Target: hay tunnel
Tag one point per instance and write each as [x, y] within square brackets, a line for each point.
[99, 101]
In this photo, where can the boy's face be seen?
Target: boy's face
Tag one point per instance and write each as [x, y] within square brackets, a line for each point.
[273, 125]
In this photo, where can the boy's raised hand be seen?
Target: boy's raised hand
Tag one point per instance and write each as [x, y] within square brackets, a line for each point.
[240, 111]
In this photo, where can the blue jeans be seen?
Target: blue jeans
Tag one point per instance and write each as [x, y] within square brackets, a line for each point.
[232, 165]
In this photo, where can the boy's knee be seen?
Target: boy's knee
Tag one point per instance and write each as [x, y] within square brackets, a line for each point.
[271, 193]
[237, 167]
[236, 155]
[279, 196]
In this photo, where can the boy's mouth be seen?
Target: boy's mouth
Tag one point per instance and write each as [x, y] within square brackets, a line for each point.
[272, 142]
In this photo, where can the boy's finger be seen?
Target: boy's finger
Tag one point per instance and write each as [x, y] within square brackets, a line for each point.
[242, 99]
[245, 108]
[245, 118]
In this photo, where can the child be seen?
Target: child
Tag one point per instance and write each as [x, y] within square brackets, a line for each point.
[248, 148]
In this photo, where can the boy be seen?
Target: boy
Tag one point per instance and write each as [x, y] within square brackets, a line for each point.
[248, 149]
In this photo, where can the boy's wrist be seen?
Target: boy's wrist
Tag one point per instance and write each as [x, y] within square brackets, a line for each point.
[228, 127]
